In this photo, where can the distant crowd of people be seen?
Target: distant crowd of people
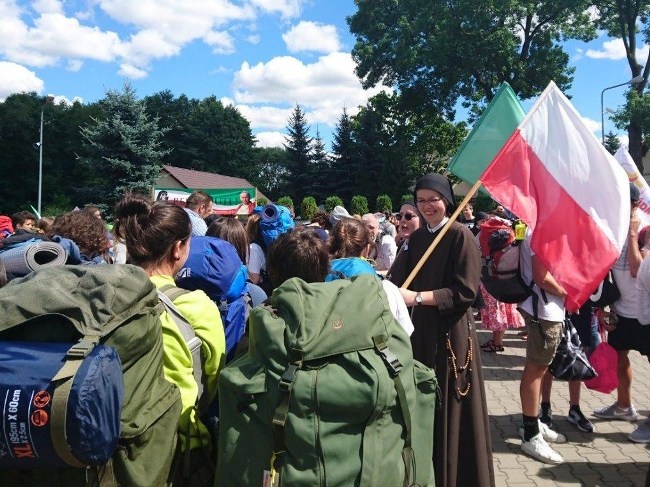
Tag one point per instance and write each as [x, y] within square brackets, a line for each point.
[435, 306]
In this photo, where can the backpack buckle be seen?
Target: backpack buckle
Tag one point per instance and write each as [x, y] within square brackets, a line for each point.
[393, 364]
[288, 378]
[82, 348]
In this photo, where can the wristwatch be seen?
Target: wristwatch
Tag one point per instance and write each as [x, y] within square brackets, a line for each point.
[418, 299]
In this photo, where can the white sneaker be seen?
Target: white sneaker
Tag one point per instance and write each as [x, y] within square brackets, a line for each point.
[642, 433]
[550, 435]
[547, 433]
[615, 412]
[540, 450]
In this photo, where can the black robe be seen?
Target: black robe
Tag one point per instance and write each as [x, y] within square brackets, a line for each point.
[462, 443]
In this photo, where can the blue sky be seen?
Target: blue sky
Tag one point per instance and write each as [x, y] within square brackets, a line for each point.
[263, 56]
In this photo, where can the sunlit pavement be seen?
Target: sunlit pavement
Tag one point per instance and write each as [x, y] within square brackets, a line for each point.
[604, 458]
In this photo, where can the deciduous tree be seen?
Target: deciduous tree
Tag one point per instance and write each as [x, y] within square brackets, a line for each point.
[629, 20]
[438, 51]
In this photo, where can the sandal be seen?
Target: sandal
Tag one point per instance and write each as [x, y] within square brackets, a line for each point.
[487, 345]
[493, 348]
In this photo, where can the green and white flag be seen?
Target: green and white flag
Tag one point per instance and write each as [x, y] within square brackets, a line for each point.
[495, 125]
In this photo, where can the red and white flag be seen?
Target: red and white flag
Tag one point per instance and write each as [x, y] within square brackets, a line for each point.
[554, 174]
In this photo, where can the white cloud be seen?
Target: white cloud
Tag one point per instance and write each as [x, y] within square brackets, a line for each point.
[148, 30]
[267, 93]
[74, 65]
[15, 78]
[262, 117]
[614, 50]
[253, 39]
[60, 99]
[312, 36]
[593, 125]
[131, 72]
[321, 88]
[270, 139]
[52, 38]
[220, 70]
[221, 42]
[286, 8]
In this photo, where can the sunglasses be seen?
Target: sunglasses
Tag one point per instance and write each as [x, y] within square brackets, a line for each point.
[407, 216]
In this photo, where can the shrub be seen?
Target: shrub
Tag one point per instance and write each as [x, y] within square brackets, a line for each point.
[261, 202]
[405, 198]
[358, 205]
[286, 201]
[308, 208]
[331, 202]
[384, 204]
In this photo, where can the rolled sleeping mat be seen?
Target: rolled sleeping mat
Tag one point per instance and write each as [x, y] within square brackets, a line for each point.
[24, 259]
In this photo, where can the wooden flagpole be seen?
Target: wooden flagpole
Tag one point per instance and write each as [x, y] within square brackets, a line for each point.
[436, 240]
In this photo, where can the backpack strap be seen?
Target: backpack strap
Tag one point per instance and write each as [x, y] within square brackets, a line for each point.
[285, 386]
[167, 294]
[394, 368]
[73, 359]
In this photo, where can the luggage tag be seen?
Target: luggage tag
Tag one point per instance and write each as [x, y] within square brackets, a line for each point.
[271, 477]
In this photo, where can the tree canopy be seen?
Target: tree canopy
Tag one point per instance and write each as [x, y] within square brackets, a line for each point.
[123, 148]
[629, 20]
[436, 52]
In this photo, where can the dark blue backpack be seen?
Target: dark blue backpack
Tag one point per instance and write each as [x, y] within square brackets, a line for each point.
[275, 220]
[348, 267]
[214, 266]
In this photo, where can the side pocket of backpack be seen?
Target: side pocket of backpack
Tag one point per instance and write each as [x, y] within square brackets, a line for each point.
[426, 394]
[245, 431]
[146, 444]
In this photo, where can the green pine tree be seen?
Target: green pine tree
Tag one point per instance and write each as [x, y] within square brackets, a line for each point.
[124, 147]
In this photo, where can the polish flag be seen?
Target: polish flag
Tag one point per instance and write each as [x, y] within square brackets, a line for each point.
[554, 174]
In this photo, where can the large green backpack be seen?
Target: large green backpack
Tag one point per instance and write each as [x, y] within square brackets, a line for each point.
[117, 306]
[328, 394]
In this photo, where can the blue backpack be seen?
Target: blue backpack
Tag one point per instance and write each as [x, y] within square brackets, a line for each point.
[214, 267]
[275, 220]
[348, 267]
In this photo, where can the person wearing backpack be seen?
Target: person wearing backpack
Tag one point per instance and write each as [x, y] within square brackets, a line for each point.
[441, 296]
[328, 392]
[157, 236]
[543, 312]
[348, 248]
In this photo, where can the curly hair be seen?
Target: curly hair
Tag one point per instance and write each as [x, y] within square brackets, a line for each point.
[349, 238]
[84, 229]
[150, 229]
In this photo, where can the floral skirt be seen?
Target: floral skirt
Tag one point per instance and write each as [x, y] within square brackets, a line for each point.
[498, 316]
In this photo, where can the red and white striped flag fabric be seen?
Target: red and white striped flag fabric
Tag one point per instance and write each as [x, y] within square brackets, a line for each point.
[554, 174]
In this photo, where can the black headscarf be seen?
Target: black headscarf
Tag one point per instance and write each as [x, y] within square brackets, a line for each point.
[440, 184]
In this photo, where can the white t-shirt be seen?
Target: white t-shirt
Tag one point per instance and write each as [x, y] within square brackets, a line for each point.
[553, 310]
[386, 252]
[643, 290]
[398, 306]
[627, 305]
[256, 260]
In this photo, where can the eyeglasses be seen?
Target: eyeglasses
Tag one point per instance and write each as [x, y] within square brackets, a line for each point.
[429, 201]
[407, 216]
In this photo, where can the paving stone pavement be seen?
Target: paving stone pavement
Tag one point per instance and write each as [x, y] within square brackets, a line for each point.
[605, 458]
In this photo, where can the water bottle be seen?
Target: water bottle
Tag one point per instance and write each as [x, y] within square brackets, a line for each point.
[520, 230]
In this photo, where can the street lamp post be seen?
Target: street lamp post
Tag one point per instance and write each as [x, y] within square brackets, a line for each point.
[633, 81]
[48, 99]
